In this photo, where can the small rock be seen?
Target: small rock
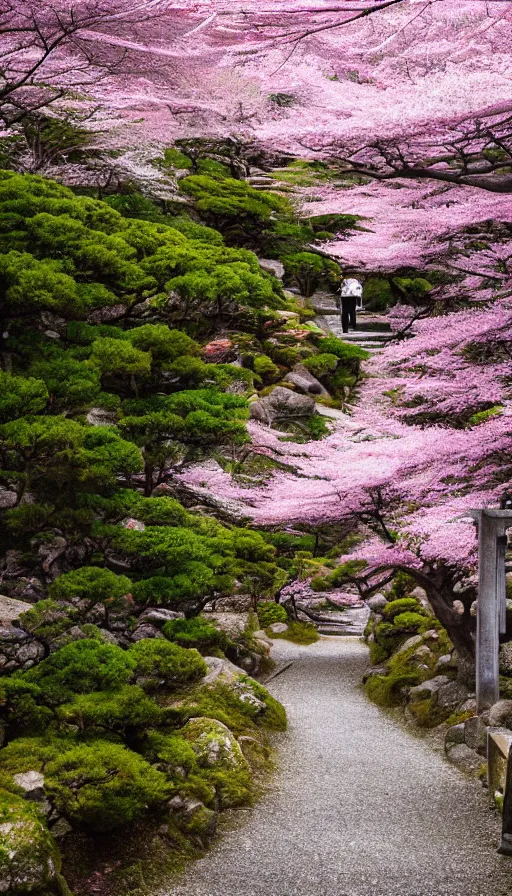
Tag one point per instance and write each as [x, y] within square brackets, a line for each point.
[431, 635]
[272, 267]
[61, 828]
[101, 417]
[468, 706]
[278, 628]
[261, 635]
[506, 659]
[456, 734]
[377, 602]
[145, 631]
[444, 662]
[158, 617]
[476, 735]
[32, 784]
[450, 695]
[422, 652]
[282, 403]
[411, 642]
[11, 609]
[429, 688]
[500, 714]
[305, 382]
[30, 654]
[465, 758]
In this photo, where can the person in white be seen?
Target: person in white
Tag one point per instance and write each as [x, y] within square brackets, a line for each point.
[351, 294]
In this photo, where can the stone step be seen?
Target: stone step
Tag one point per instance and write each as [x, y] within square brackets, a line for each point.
[352, 632]
[361, 335]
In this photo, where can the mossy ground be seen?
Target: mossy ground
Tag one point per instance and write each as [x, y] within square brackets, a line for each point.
[298, 633]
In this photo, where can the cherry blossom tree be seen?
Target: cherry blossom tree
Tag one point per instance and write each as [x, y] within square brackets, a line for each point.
[51, 50]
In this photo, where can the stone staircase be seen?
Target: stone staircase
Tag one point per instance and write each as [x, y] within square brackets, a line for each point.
[372, 332]
[350, 623]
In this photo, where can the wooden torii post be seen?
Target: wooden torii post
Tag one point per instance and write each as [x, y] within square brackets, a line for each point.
[492, 605]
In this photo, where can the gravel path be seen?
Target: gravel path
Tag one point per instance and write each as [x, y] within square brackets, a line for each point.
[360, 807]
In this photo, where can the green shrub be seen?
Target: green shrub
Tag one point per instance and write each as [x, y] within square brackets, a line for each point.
[48, 618]
[402, 586]
[103, 785]
[333, 223]
[129, 707]
[307, 270]
[161, 664]
[171, 751]
[233, 708]
[377, 294]
[409, 622]
[270, 612]
[162, 511]
[80, 668]
[266, 369]
[90, 582]
[349, 355]
[342, 574]
[386, 690]
[233, 787]
[196, 632]
[24, 754]
[401, 605]
[388, 636]
[321, 365]
[377, 654]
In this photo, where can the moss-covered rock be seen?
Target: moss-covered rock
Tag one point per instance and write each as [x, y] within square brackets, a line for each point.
[213, 743]
[220, 755]
[400, 606]
[29, 859]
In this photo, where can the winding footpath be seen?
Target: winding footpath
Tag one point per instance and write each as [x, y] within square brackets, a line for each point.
[359, 807]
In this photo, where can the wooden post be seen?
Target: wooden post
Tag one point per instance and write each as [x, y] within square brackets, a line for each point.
[487, 634]
[491, 616]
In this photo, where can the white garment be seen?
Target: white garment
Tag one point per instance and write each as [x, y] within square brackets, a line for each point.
[351, 287]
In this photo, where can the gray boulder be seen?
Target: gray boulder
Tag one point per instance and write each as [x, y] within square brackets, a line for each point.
[421, 595]
[282, 403]
[456, 734]
[464, 757]
[234, 624]
[452, 694]
[305, 382]
[278, 628]
[145, 631]
[377, 602]
[272, 266]
[414, 641]
[101, 417]
[506, 659]
[429, 688]
[11, 609]
[157, 616]
[32, 785]
[500, 714]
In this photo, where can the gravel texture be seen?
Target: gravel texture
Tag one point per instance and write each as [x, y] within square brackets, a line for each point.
[360, 807]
